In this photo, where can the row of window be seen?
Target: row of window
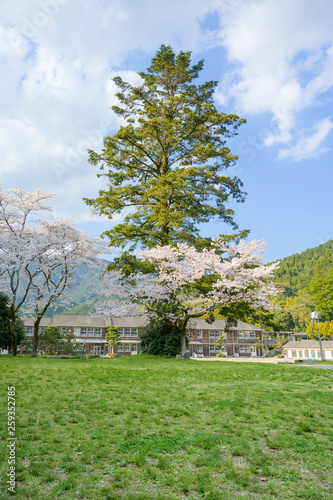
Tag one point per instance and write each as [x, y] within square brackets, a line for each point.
[133, 332]
[128, 332]
[127, 348]
[246, 335]
[90, 332]
[216, 334]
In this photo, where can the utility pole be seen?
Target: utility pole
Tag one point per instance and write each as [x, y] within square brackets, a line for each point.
[316, 317]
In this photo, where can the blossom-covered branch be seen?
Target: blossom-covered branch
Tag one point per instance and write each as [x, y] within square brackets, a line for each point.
[190, 284]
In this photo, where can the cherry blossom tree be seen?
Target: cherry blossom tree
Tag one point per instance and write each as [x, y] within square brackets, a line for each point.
[37, 253]
[20, 213]
[64, 249]
[191, 284]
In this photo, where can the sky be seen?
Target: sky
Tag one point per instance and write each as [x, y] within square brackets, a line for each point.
[274, 64]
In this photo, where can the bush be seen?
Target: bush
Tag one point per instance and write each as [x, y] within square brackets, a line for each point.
[52, 341]
[160, 338]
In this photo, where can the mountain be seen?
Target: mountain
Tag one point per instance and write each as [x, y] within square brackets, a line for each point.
[296, 275]
[82, 294]
[295, 272]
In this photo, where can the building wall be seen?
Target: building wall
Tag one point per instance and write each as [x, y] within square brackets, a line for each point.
[308, 353]
[90, 335]
[239, 343]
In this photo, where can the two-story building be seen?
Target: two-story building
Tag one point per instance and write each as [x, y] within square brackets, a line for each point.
[89, 332]
[240, 340]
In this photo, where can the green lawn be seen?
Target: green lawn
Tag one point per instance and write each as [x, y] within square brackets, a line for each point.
[140, 427]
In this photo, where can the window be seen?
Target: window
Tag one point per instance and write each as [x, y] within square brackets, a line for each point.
[199, 348]
[244, 349]
[127, 348]
[134, 348]
[134, 332]
[213, 348]
[199, 334]
[63, 330]
[120, 348]
[83, 332]
[127, 332]
[121, 331]
[28, 330]
[216, 334]
[244, 334]
[94, 332]
[41, 329]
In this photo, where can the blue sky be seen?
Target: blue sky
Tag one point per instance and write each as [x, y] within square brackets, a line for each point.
[274, 64]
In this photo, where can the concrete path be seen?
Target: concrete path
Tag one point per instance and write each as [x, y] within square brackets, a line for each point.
[273, 361]
[246, 360]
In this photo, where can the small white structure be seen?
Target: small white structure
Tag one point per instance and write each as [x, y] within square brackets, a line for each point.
[308, 349]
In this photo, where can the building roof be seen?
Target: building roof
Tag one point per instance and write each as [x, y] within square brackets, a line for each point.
[130, 322]
[71, 320]
[220, 324]
[308, 344]
[87, 321]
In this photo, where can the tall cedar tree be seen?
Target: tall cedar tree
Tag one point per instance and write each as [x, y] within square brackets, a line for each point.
[164, 166]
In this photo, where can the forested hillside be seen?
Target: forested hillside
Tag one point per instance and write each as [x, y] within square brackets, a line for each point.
[81, 296]
[295, 272]
[301, 277]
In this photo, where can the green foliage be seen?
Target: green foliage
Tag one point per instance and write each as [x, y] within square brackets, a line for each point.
[285, 320]
[321, 288]
[281, 340]
[325, 329]
[112, 336]
[26, 346]
[5, 334]
[52, 341]
[220, 344]
[302, 278]
[165, 164]
[296, 272]
[161, 338]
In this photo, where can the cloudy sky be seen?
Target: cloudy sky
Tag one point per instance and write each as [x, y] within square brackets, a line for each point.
[274, 62]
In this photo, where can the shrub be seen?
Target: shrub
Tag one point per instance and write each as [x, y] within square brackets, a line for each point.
[160, 338]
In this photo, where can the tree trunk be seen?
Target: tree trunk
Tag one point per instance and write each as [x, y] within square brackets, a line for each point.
[13, 332]
[183, 337]
[35, 341]
[183, 344]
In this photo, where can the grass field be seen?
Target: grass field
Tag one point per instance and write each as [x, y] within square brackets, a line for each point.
[140, 428]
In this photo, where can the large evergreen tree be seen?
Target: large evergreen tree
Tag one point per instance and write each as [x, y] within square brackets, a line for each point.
[165, 166]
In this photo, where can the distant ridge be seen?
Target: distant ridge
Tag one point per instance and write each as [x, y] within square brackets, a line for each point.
[295, 272]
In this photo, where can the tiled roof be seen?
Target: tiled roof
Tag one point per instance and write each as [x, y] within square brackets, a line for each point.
[80, 320]
[219, 324]
[130, 322]
[308, 344]
[71, 320]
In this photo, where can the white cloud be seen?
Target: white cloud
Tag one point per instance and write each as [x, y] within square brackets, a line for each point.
[57, 60]
[281, 55]
[309, 145]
